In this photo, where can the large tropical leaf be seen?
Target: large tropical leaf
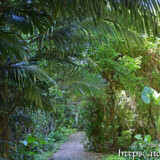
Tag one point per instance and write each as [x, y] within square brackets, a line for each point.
[149, 93]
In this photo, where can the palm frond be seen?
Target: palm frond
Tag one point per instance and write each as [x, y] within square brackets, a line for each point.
[104, 28]
[139, 15]
[11, 47]
[24, 17]
[74, 7]
[85, 83]
[27, 79]
[77, 81]
[71, 40]
[23, 71]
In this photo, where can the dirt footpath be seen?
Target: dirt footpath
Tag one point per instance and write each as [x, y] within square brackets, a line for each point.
[73, 150]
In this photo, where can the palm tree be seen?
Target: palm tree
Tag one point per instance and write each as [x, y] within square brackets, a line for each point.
[18, 73]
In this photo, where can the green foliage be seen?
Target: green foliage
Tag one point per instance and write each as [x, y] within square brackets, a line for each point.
[95, 126]
[112, 157]
[42, 142]
[52, 53]
[125, 139]
[120, 72]
[145, 146]
[117, 67]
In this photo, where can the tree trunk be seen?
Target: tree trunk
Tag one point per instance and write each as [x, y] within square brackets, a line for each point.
[4, 139]
[112, 105]
[111, 102]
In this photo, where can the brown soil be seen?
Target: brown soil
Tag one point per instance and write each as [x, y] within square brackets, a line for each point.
[73, 149]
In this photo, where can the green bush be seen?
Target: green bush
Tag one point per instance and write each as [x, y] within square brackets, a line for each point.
[145, 148]
[37, 146]
[125, 139]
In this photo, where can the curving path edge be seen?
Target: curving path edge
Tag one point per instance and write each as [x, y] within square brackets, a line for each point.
[73, 149]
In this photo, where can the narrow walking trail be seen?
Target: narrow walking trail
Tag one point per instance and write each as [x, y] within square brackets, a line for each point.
[73, 149]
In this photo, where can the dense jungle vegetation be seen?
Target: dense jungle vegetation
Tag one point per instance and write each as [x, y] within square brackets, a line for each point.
[79, 65]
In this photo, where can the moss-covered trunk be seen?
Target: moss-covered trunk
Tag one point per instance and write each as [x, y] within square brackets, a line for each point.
[111, 104]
